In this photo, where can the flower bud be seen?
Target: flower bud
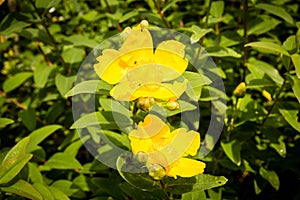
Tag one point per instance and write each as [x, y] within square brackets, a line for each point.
[240, 90]
[124, 34]
[172, 105]
[267, 95]
[142, 157]
[144, 103]
[144, 24]
[157, 171]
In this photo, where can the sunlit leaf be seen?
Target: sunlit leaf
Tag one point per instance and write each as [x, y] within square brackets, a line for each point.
[272, 47]
[270, 176]
[15, 81]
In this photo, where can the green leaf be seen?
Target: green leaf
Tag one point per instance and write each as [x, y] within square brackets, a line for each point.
[11, 168]
[23, 189]
[58, 194]
[34, 173]
[103, 119]
[291, 117]
[18, 150]
[217, 9]
[28, 118]
[128, 16]
[81, 40]
[296, 86]
[15, 81]
[40, 134]
[73, 55]
[5, 121]
[198, 33]
[194, 196]
[275, 48]
[296, 62]
[44, 191]
[280, 146]
[222, 52]
[259, 68]
[41, 74]
[262, 24]
[69, 188]
[276, 10]
[90, 87]
[46, 4]
[12, 23]
[62, 161]
[233, 150]
[198, 183]
[256, 188]
[63, 83]
[195, 83]
[270, 176]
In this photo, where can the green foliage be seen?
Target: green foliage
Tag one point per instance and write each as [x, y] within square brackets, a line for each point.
[43, 43]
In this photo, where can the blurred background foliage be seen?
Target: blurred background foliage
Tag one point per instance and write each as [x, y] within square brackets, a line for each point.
[43, 43]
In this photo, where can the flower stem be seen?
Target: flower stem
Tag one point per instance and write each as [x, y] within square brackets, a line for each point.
[245, 39]
[162, 16]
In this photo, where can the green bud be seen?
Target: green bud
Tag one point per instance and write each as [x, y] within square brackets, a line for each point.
[157, 171]
[144, 103]
[124, 34]
[172, 105]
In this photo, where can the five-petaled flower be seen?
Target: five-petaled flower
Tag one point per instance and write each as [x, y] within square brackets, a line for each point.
[140, 71]
[167, 149]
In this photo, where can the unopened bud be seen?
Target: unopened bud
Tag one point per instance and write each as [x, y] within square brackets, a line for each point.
[267, 95]
[144, 24]
[124, 34]
[144, 103]
[157, 171]
[240, 90]
[172, 105]
[142, 157]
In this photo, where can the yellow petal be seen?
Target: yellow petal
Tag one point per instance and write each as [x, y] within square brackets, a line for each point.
[170, 54]
[185, 167]
[136, 40]
[108, 68]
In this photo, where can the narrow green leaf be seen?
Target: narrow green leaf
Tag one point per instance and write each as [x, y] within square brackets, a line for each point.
[270, 176]
[195, 83]
[296, 62]
[15, 81]
[233, 150]
[40, 134]
[34, 173]
[69, 188]
[256, 188]
[23, 189]
[5, 121]
[81, 40]
[63, 83]
[44, 191]
[276, 10]
[18, 150]
[41, 74]
[198, 33]
[262, 24]
[90, 87]
[62, 161]
[291, 117]
[10, 168]
[268, 46]
[58, 194]
[296, 86]
[198, 183]
[222, 52]
[12, 23]
[194, 196]
[279, 146]
[128, 16]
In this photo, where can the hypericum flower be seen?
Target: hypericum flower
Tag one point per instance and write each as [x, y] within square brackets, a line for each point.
[137, 50]
[267, 95]
[167, 149]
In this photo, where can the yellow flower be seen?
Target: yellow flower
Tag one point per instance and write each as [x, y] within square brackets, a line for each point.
[167, 149]
[137, 50]
[240, 90]
[267, 95]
